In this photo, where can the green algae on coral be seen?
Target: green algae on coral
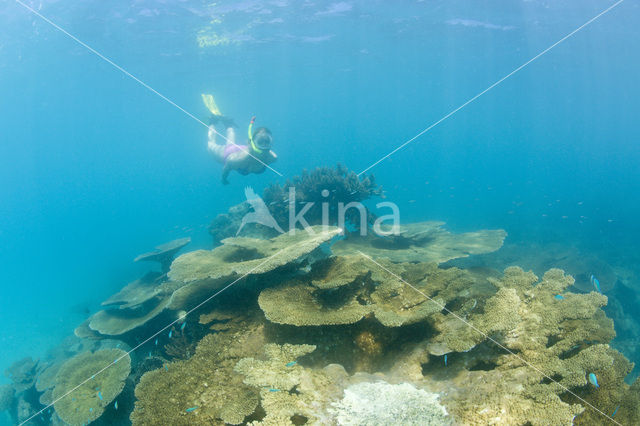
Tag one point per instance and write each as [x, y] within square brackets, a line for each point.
[423, 242]
[80, 401]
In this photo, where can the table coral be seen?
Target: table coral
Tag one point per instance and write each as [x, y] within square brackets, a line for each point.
[205, 271]
[319, 298]
[551, 346]
[289, 390]
[23, 373]
[206, 381]
[164, 253]
[423, 242]
[79, 401]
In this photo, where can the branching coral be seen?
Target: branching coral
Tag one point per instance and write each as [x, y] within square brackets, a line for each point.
[321, 185]
[324, 185]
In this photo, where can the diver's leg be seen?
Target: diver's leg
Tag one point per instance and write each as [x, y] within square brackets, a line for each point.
[213, 147]
[231, 136]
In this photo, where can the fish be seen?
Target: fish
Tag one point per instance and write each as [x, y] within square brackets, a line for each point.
[593, 380]
[183, 325]
[596, 284]
[291, 364]
[165, 367]
[91, 409]
[445, 360]
[149, 354]
[559, 297]
[615, 411]
[100, 395]
[156, 342]
[273, 390]
[115, 405]
[188, 410]
[170, 333]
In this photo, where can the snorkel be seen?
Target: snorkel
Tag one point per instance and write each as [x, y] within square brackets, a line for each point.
[251, 142]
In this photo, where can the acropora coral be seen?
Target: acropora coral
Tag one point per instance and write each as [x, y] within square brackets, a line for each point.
[80, 401]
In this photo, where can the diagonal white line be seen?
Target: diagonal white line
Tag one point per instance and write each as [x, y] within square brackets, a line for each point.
[492, 86]
[158, 332]
[136, 79]
[487, 336]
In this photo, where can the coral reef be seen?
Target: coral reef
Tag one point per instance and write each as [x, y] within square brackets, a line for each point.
[164, 253]
[364, 289]
[204, 389]
[422, 242]
[6, 397]
[289, 390]
[204, 271]
[79, 401]
[553, 344]
[23, 374]
[327, 185]
[114, 322]
[382, 403]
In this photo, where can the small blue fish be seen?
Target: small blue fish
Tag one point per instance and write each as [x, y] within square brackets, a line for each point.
[100, 395]
[118, 345]
[170, 333]
[593, 380]
[274, 390]
[615, 411]
[291, 364]
[115, 405]
[188, 410]
[156, 342]
[182, 326]
[596, 284]
[559, 297]
[166, 368]
[445, 360]
[93, 377]
[149, 354]
[91, 409]
[116, 360]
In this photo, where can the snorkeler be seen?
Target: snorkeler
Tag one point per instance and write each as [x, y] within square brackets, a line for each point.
[254, 157]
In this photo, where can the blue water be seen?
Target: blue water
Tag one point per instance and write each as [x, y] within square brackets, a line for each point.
[96, 169]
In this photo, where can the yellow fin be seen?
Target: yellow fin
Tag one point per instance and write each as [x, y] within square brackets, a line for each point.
[210, 103]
